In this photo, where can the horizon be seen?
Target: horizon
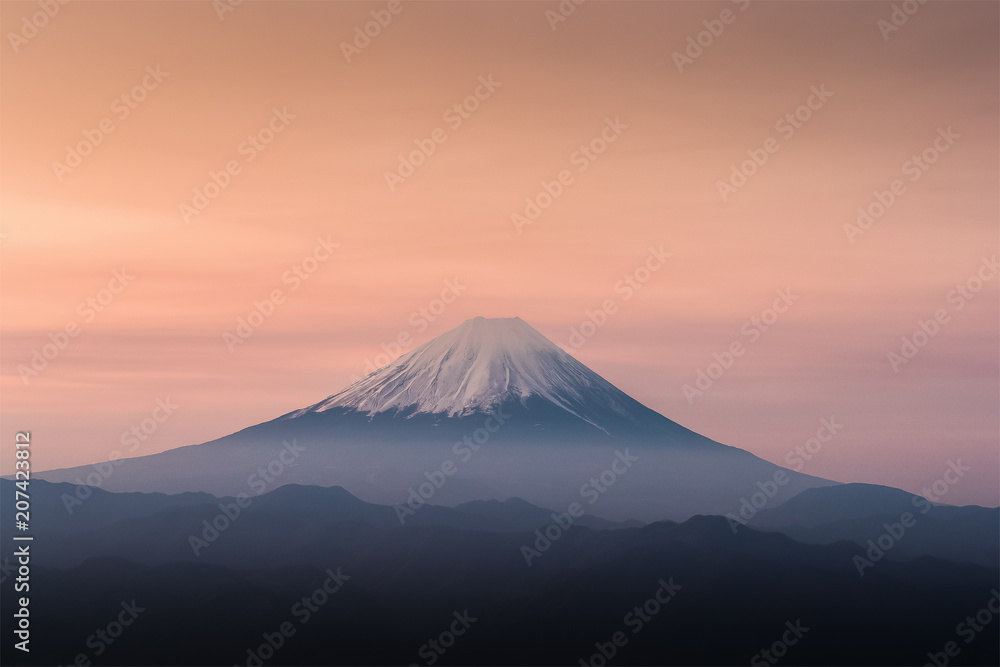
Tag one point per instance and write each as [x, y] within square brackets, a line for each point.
[786, 212]
[925, 492]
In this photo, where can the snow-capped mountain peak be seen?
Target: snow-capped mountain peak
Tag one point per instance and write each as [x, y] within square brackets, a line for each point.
[477, 367]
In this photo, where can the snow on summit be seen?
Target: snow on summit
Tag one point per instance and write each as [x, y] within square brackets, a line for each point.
[475, 367]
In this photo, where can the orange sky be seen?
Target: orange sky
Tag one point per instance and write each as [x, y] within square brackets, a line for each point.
[323, 176]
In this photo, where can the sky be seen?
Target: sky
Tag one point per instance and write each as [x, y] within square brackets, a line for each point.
[235, 209]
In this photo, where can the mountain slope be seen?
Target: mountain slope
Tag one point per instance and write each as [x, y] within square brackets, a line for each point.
[489, 410]
[863, 512]
[488, 365]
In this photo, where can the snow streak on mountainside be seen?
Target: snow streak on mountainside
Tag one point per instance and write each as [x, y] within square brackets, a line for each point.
[477, 367]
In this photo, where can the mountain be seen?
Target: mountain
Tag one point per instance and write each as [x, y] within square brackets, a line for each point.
[519, 514]
[862, 512]
[680, 594]
[59, 509]
[485, 366]
[346, 579]
[489, 410]
[156, 528]
[845, 502]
